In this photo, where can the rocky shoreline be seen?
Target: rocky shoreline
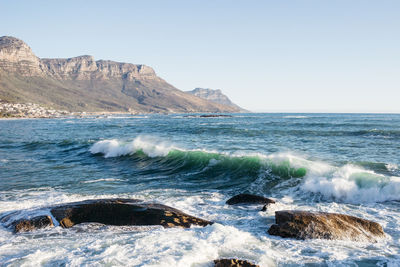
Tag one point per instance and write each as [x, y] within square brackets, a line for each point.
[288, 223]
[135, 212]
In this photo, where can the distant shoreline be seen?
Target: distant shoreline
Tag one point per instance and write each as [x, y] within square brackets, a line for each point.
[100, 114]
[79, 115]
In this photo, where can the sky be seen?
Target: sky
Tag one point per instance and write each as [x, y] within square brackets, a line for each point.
[271, 56]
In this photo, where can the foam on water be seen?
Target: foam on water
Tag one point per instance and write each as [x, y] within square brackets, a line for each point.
[353, 184]
[348, 183]
[348, 170]
[239, 232]
[102, 180]
[148, 145]
[295, 117]
[392, 167]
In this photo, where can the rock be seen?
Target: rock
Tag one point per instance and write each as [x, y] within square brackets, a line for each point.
[16, 56]
[249, 199]
[265, 207]
[123, 212]
[321, 225]
[38, 222]
[215, 116]
[233, 263]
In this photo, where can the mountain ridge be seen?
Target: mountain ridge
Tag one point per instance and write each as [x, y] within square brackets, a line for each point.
[83, 84]
[216, 96]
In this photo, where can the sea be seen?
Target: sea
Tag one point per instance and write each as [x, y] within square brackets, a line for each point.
[342, 163]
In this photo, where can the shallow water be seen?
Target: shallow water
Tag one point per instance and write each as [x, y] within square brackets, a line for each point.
[346, 163]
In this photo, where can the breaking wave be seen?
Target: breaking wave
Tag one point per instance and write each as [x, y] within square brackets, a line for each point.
[349, 183]
[353, 184]
[115, 148]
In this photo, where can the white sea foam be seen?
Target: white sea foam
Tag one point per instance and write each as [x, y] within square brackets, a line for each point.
[392, 167]
[295, 117]
[354, 185]
[239, 233]
[350, 184]
[102, 180]
[313, 167]
[151, 146]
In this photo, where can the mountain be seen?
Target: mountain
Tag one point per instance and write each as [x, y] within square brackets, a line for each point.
[84, 84]
[216, 96]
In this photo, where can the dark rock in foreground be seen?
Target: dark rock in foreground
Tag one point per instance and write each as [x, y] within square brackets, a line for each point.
[38, 222]
[321, 225]
[249, 199]
[233, 263]
[123, 212]
[109, 212]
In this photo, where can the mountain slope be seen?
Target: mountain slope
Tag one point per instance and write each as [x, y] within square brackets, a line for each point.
[83, 84]
[216, 96]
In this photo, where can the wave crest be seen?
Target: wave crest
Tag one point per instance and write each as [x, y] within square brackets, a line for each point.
[148, 145]
[348, 183]
[353, 184]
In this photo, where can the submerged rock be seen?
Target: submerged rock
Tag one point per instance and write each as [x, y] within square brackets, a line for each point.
[123, 212]
[215, 116]
[233, 263]
[249, 199]
[322, 225]
[265, 207]
[35, 223]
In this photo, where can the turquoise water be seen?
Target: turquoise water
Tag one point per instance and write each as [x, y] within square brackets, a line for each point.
[347, 163]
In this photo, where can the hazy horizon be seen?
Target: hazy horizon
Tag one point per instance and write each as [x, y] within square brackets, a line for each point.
[266, 56]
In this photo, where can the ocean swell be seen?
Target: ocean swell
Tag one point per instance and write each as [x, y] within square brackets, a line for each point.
[282, 165]
[348, 183]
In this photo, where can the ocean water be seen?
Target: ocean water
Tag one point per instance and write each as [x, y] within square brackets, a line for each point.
[345, 163]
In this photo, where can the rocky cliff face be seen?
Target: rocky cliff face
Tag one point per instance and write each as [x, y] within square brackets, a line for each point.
[16, 56]
[84, 84]
[214, 95]
[86, 68]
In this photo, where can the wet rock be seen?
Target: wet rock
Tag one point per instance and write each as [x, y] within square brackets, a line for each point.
[215, 116]
[321, 225]
[249, 199]
[123, 212]
[35, 223]
[233, 263]
[265, 207]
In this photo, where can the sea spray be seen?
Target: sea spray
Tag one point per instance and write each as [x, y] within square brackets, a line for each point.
[353, 184]
[148, 145]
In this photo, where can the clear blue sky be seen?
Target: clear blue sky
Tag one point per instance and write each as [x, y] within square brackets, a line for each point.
[304, 56]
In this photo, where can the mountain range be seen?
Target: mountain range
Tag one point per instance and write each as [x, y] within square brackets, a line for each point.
[84, 84]
[215, 95]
